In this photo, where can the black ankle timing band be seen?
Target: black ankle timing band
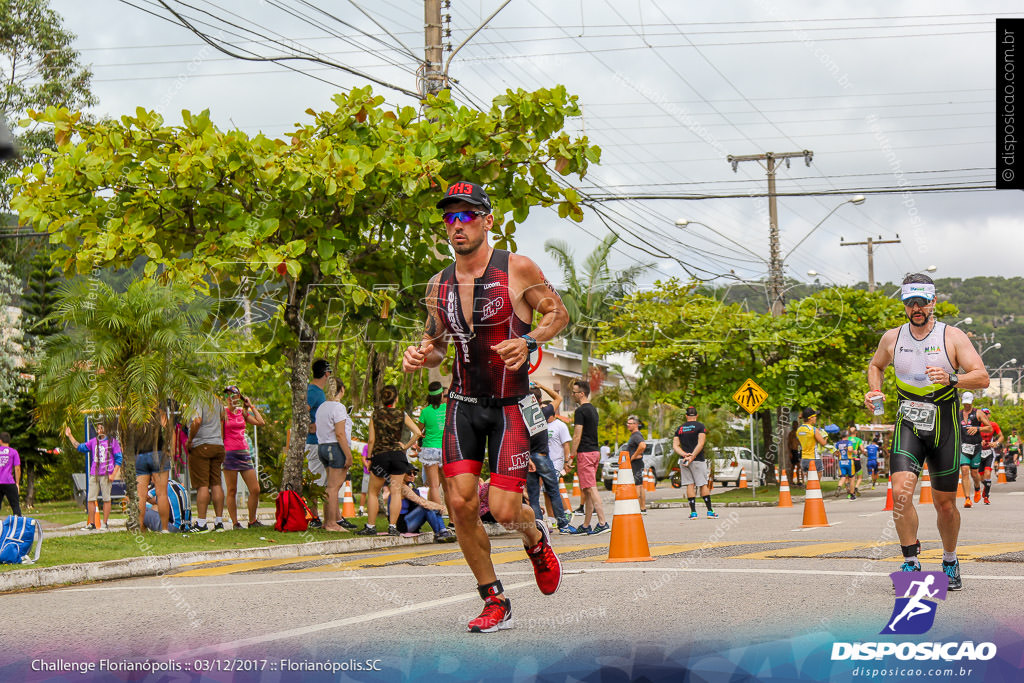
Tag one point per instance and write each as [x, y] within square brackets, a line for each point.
[912, 550]
[490, 589]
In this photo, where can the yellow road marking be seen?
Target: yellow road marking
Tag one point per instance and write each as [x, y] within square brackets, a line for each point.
[973, 552]
[671, 549]
[246, 566]
[377, 561]
[520, 554]
[810, 550]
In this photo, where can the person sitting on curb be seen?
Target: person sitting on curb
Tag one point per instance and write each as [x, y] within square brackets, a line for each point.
[178, 521]
[416, 510]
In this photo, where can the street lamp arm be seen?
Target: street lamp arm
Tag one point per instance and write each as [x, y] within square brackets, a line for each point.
[811, 231]
[683, 222]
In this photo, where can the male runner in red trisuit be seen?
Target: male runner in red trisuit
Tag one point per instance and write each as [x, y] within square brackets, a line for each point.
[484, 302]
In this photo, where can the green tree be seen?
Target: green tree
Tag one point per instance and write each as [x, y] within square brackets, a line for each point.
[125, 355]
[590, 289]
[13, 351]
[316, 222]
[815, 354]
[34, 442]
[38, 68]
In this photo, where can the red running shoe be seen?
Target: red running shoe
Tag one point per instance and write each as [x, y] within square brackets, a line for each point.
[497, 615]
[987, 502]
[977, 496]
[546, 566]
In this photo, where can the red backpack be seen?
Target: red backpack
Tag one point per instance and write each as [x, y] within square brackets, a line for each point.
[292, 512]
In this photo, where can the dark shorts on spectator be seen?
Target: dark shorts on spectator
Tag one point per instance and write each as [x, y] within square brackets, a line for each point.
[388, 462]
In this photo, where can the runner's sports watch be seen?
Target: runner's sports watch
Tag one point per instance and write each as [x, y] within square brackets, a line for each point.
[531, 343]
[953, 379]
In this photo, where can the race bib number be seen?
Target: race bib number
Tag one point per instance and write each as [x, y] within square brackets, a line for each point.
[967, 448]
[532, 415]
[921, 415]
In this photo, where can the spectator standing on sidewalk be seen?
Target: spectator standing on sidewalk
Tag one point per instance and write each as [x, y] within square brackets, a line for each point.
[636, 446]
[10, 474]
[542, 469]
[431, 424]
[153, 467]
[809, 436]
[205, 458]
[334, 438]
[586, 450]
[105, 459]
[387, 459]
[237, 459]
[793, 471]
[559, 450]
[315, 395]
[688, 443]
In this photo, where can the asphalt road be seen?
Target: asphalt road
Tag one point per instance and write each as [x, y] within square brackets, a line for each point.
[719, 592]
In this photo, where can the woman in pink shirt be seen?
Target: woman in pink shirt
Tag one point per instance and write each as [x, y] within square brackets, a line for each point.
[237, 458]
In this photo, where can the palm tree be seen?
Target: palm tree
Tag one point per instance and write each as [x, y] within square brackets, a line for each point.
[125, 355]
[590, 291]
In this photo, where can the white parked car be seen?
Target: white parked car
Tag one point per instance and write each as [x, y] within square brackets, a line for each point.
[729, 461]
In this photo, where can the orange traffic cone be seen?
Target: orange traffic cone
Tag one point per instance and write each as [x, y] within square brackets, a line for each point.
[99, 520]
[960, 489]
[743, 479]
[566, 503]
[623, 465]
[1002, 473]
[576, 486]
[652, 482]
[629, 538]
[814, 506]
[785, 500]
[926, 487]
[348, 504]
[888, 497]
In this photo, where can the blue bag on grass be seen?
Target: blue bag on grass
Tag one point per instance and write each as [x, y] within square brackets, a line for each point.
[16, 537]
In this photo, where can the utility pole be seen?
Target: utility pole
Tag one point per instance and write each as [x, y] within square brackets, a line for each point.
[433, 69]
[774, 286]
[871, 255]
[774, 261]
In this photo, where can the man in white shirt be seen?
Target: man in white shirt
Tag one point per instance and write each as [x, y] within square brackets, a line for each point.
[334, 434]
[559, 443]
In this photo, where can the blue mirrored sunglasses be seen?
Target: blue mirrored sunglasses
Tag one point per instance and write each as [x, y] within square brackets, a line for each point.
[461, 216]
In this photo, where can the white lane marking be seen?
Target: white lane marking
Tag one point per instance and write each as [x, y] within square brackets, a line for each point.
[872, 514]
[337, 623]
[230, 584]
[807, 572]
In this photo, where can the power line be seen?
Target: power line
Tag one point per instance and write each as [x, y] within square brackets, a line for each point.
[280, 58]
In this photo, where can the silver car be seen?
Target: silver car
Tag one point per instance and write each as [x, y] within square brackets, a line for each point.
[735, 458]
[657, 457]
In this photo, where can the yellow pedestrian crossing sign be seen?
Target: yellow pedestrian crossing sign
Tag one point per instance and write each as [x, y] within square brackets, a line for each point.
[750, 396]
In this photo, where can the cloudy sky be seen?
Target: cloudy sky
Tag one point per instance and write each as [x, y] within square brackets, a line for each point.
[885, 94]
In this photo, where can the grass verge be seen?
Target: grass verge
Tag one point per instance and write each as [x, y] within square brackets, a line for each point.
[115, 545]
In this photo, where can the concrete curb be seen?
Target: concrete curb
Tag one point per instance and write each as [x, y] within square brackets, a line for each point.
[156, 565]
